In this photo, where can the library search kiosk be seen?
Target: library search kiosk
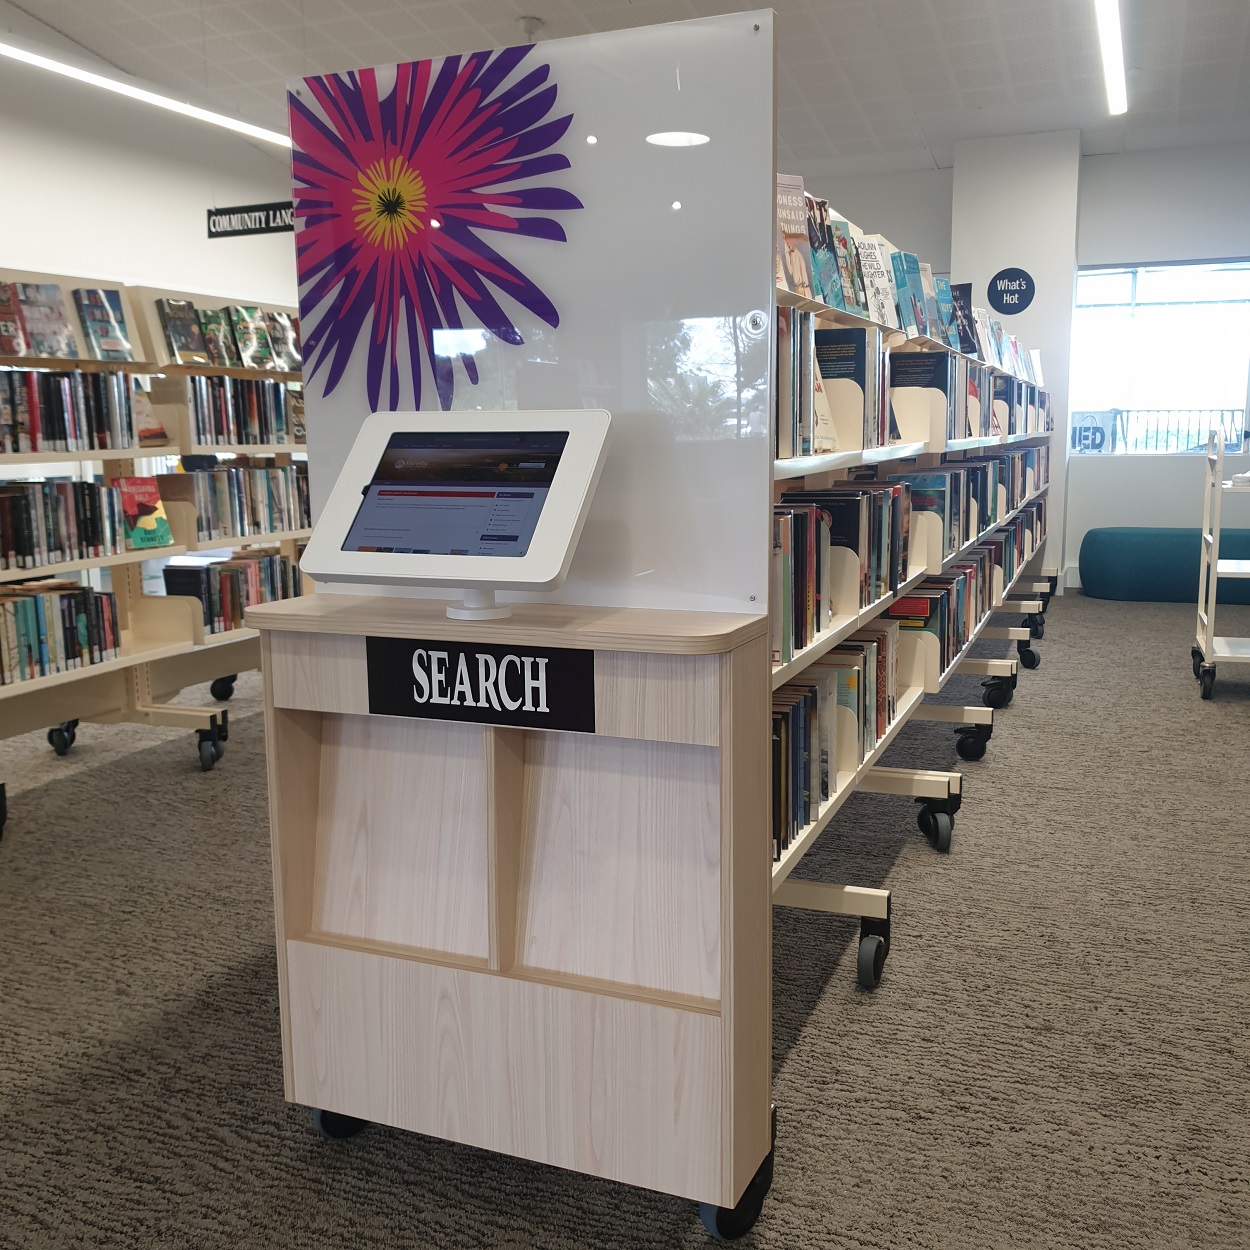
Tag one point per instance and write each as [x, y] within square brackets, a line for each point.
[521, 859]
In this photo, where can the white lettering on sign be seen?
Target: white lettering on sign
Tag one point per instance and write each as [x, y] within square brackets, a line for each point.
[429, 671]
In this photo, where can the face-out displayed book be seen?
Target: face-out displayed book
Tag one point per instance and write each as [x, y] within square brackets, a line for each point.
[181, 324]
[45, 320]
[103, 320]
[219, 337]
[143, 514]
[251, 336]
[794, 261]
[12, 329]
[284, 339]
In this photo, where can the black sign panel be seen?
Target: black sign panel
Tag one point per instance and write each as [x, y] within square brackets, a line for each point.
[1011, 291]
[227, 223]
[530, 687]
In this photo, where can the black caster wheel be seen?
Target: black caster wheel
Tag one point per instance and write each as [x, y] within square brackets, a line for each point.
[936, 826]
[970, 747]
[210, 753]
[870, 963]
[62, 737]
[1029, 658]
[222, 689]
[335, 1127]
[731, 1223]
[1207, 677]
[1045, 601]
[1195, 654]
[4, 808]
[997, 694]
[1035, 623]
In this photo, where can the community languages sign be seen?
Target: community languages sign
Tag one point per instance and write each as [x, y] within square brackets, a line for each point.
[228, 223]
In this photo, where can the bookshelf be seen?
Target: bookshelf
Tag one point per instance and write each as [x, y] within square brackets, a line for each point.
[163, 646]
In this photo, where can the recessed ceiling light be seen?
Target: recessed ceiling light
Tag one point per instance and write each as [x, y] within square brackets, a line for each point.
[676, 203]
[678, 139]
[140, 93]
[1112, 43]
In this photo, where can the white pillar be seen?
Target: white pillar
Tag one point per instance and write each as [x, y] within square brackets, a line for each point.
[1014, 206]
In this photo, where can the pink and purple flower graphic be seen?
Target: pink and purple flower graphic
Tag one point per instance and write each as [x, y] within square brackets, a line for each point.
[395, 194]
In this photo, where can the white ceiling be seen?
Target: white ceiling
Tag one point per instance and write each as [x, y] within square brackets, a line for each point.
[863, 85]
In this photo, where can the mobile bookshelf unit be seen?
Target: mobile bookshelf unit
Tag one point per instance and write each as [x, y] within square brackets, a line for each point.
[164, 646]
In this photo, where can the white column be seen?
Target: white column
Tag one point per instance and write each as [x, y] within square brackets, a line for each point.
[1014, 206]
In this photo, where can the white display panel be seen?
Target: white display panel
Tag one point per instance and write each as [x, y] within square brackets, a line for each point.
[640, 280]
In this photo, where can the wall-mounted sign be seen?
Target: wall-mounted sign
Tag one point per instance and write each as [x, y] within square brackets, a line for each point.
[1011, 291]
[227, 223]
[531, 687]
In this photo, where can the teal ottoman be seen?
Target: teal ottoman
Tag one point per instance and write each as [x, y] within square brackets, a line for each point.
[1156, 565]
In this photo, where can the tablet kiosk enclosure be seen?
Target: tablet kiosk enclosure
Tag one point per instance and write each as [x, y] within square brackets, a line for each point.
[482, 501]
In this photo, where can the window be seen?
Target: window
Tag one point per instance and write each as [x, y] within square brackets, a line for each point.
[1160, 356]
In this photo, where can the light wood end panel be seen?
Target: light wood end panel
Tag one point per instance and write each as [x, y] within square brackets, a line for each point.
[621, 873]
[664, 698]
[319, 672]
[401, 833]
[624, 1090]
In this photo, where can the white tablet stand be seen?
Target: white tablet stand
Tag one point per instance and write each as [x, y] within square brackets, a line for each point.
[478, 605]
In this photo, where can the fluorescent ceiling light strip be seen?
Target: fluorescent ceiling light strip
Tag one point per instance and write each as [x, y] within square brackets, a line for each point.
[1112, 42]
[148, 97]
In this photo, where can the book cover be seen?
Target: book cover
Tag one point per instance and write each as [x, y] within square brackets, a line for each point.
[12, 328]
[902, 290]
[103, 323]
[149, 429]
[252, 337]
[985, 337]
[794, 256]
[143, 513]
[848, 267]
[48, 330]
[182, 331]
[284, 340]
[932, 314]
[946, 311]
[218, 337]
[915, 290]
[855, 235]
[965, 320]
[877, 282]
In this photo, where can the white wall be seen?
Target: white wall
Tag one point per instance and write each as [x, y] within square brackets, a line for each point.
[99, 186]
[1173, 204]
[912, 209]
[1164, 491]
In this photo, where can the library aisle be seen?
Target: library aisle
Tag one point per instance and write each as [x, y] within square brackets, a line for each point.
[1056, 1056]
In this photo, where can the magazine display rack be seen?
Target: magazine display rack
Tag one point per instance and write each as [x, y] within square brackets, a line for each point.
[164, 647]
[1210, 649]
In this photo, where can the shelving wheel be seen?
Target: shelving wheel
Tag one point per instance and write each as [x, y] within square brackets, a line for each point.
[1195, 654]
[223, 688]
[1029, 656]
[732, 1223]
[334, 1126]
[1206, 675]
[211, 742]
[61, 737]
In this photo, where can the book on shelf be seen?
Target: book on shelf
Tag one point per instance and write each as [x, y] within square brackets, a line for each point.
[946, 313]
[219, 337]
[239, 411]
[878, 282]
[251, 336]
[149, 429]
[852, 362]
[794, 261]
[284, 339]
[12, 329]
[55, 626]
[103, 319]
[932, 314]
[46, 321]
[1035, 359]
[915, 289]
[143, 514]
[985, 338]
[849, 268]
[910, 312]
[181, 324]
[56, 520]
[965, 322]
[295, 415]
[242, 502]
[923, 394]
[43, 410]
[226, 588]
[886, 251]
[826, 284]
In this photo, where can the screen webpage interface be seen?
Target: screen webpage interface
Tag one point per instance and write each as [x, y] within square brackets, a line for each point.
[457, 494]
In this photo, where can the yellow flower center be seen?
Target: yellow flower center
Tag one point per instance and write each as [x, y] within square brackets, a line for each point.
[390, 201]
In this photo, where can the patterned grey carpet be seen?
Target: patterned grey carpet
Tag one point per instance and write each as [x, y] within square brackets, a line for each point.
[1056, 1058]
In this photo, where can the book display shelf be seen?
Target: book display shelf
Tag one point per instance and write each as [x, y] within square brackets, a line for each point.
[161, 645]
[552, 937]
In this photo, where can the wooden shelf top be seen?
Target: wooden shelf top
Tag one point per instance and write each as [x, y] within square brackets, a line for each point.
[17, 458]
[826, 461]
[65, 364]
[224, 371]
[242, 449]
[96, 562]
[250, 540]
[532, 624]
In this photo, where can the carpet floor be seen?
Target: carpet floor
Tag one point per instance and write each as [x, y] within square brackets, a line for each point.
[1057, 1057]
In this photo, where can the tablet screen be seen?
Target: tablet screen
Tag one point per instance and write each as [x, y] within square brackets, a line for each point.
[457, 494]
